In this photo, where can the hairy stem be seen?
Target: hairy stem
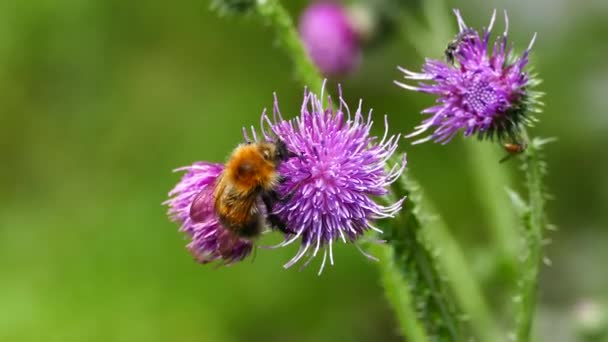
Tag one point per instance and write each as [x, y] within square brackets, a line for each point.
[398, 295]
[415, 262]
[288, 38]
[490, 180]
[534, 223]
[452, 264]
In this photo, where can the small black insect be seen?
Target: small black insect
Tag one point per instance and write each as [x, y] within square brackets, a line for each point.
[453, 46]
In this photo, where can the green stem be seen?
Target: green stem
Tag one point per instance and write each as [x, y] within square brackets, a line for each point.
[490, 180]
[416, 262]
[398, 294]
[451, 262]
[288, 37]
[534, 224]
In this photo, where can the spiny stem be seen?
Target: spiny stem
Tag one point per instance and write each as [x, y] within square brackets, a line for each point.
[416, 262]
[398, 295]
[490, 180]
[452, 264]
[534, 223]
[288, 38]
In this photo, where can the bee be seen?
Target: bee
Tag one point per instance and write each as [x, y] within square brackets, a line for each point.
[452, 48]
[250, 176]
[513, 148]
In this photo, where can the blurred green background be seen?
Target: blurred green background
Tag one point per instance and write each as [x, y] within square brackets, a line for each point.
[101, 99]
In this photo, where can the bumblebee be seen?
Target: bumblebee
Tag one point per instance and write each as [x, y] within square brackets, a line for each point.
[250, 176]
[452, 48]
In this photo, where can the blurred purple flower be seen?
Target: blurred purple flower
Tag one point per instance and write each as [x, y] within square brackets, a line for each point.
[210, 241]
[330, 38]
[486, 92]
[329, 188]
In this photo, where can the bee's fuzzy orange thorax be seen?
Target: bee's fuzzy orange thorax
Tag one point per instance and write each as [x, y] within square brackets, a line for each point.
[247, 169]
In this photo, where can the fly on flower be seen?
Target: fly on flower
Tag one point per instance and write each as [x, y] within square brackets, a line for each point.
[453, 46]
[482, 89]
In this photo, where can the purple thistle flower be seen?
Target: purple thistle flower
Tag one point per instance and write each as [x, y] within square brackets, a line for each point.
[329, 188]
[330, 38]
[486, 92]
[210, 240]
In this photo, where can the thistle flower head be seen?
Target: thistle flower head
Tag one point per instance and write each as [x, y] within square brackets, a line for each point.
[481, 89]
[210, 241]
[330, 38]
[330, 188]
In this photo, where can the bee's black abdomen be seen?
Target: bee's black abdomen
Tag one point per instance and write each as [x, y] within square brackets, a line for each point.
[251, 228]
[248, 229]
[270, 198]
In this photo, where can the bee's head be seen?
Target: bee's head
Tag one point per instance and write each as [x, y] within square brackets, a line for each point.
[282, 152]
[276, 152]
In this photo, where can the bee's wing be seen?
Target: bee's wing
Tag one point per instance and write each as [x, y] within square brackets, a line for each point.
[202, 206]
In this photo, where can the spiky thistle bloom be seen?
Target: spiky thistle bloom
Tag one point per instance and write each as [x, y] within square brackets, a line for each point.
[486, 91]
[330, 189]
[210, 241]
[330, 38]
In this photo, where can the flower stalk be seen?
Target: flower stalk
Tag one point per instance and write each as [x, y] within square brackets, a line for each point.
[414, 259]
[461, 290]
[534, 223]
[398, 294]
[490, 180]
[287, 36]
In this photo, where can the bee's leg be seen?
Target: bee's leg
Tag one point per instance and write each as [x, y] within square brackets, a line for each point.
[279, 224]
[270, 198]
